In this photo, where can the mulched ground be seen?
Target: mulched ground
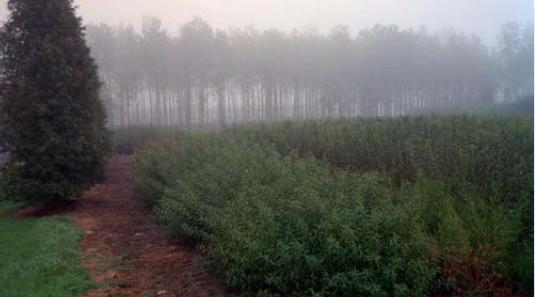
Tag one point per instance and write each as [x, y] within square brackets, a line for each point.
[127, 253]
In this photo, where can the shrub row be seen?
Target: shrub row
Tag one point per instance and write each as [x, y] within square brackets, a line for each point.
[445, 211]
[284, 226]
[491, 152]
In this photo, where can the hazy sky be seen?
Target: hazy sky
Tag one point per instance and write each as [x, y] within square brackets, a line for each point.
[483, 17]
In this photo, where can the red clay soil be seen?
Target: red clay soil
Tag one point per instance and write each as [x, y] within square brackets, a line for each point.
[127, 253]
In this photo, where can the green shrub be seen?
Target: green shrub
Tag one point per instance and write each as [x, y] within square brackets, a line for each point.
[411, 207]
[494, 153]
[282, 225]
[474, 240]
[483, 162]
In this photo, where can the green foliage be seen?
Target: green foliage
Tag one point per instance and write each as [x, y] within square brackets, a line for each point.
[283, 225]
[480, 171]
[53, 118]
[494, 154]
[411, 207]
[474, 240]
[38, 257]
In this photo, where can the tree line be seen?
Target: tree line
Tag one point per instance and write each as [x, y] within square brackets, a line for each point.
[204, 77]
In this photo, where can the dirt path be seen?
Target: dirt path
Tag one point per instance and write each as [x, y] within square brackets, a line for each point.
[127, 254]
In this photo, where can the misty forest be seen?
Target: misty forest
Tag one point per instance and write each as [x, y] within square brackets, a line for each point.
[204, 77]
[386, 162]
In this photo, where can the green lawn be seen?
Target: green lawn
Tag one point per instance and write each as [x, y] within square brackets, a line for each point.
[38, 257]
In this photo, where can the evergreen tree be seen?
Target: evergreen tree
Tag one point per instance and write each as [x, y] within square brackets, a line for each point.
[54, 121]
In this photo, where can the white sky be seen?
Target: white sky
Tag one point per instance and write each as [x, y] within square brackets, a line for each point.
[483, 17]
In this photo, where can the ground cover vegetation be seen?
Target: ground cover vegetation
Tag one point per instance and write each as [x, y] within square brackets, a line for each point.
[386, 207]
[38, 256]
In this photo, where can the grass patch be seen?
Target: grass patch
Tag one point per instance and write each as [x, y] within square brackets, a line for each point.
[39, 257]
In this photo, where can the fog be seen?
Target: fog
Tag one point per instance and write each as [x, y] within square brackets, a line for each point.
[204, 63]
[482, 17]
[205, 77]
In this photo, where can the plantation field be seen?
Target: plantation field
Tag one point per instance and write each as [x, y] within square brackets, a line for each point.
[39, 257]
[419, 206]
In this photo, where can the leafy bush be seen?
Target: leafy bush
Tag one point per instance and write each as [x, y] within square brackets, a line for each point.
[473, 240]
[282, 225]
[412, 207]
[484, 165]
[494, 153]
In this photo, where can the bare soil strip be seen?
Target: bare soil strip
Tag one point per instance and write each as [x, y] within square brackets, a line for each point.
[127, 253]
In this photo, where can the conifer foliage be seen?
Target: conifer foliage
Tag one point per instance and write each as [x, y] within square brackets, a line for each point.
[54, 121]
